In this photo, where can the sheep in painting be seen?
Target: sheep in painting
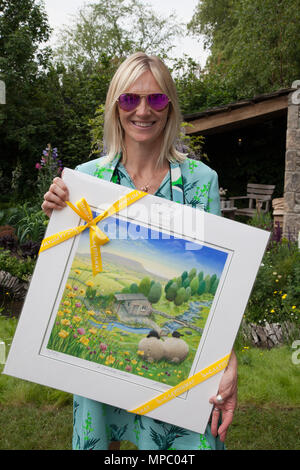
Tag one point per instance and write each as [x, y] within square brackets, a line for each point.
[152, 347]
[176, 349]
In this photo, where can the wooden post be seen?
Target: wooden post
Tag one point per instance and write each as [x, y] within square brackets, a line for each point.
[2, 92]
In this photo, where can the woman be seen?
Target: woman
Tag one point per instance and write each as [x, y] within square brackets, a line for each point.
[142, 124]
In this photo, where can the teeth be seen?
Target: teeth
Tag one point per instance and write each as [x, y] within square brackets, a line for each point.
[143, 124]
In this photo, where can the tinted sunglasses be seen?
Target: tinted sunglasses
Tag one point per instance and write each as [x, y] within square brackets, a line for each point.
[130, 101]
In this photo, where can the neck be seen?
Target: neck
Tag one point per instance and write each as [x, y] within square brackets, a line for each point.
[143, 159]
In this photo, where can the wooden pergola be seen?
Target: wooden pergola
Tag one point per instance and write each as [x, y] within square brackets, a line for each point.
[241, 113]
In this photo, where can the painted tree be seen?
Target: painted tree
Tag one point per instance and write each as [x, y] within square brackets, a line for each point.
[144, 286]
[155, 293]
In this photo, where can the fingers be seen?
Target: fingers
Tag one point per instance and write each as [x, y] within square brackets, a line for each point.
[55, 198]
[227, 417]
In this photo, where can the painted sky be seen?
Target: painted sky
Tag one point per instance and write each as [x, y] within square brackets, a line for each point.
[159, 254]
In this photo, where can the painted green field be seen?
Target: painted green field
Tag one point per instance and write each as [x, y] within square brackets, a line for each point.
[83, 325]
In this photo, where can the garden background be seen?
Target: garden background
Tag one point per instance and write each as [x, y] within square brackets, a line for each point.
[53, 118]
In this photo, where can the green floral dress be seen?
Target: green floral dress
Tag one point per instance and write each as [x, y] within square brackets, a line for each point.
[98, 426]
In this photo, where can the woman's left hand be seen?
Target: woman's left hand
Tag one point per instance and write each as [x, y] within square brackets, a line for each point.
[228, 392]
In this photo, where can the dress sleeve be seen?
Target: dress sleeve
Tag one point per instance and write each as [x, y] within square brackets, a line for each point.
[214, 206]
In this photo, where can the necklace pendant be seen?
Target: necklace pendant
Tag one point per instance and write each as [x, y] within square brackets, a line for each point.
[145, 188]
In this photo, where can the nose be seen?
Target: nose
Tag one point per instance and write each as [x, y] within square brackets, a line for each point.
[143, 108]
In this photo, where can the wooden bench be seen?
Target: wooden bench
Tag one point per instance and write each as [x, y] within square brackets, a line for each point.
[259, 196]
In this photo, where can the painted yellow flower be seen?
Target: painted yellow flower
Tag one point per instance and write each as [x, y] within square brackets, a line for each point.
[84, 340]
[133, 362]
[121, 363]
[66, 303]
[102, 356]
[91, 312]
[93, 331]
[60, 313]
[67, 310]
[68, 286]
[77, 319]
[141, 353]
[77, 271]
[108, 312]
[110, 359]
[104, 326]
[89, 283]
[63, 334]
[126, 353]
[141, 373]
[82, 292]
[65, 322]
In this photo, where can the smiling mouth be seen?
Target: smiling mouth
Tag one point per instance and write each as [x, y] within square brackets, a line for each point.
[143, 124]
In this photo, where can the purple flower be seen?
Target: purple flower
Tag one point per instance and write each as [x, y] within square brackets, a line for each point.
[78, 304]
[81, 331]
[38, 166]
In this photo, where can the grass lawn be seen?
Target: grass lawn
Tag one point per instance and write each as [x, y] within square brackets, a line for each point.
[267, 417]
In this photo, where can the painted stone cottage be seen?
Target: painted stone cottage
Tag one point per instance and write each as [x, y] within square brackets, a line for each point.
[133, 304]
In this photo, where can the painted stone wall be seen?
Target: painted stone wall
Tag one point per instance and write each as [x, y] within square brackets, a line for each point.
[291, 221]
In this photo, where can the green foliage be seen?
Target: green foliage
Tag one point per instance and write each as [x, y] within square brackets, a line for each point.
[275, 296]
[116, 28]
[21, 269]
[261, 220]
[171, 291]
[30, 222]
[254, 43]
[144, 286]
[155, 293]
[180, 296]
[134, 288]
[201, 288]
[194, 285]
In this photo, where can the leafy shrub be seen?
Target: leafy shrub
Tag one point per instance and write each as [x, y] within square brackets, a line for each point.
[276, 293]
[30, 223]
[22, 269]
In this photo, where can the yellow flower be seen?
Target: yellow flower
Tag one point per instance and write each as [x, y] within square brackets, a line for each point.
[275, 291]
[66, 303]
[82, 292]
[68, 286]
[65, 321]
[60, 313]
[108, 312]
[84, 340]
[77, 271]
[133, 362]
[89, 283]
[63, 334]
[293, 307]
[91, 312]
[126, 353]
[121, 363]
[276, 280]
[102, 356]
[77, 319]
[272, 311]
[141, 353]
[93, 331]
[67, 310]
[141, 373]
[110, 360]
[103, 326]
[283, 296]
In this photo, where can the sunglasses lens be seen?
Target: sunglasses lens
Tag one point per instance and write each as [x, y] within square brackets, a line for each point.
[158, 101]
[128, 101]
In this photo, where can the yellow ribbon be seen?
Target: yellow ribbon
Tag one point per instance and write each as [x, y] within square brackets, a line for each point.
[183, 386]
[97, 237]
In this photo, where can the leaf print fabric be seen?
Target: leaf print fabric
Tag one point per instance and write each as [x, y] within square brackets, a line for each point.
[98, 426]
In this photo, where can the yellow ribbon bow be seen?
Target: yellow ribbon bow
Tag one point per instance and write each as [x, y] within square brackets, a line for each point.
[97, 237]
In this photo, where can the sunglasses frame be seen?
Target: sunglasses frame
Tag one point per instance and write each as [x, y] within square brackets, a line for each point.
[141, 96]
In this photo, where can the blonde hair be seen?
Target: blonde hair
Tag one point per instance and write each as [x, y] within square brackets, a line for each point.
[128, 72]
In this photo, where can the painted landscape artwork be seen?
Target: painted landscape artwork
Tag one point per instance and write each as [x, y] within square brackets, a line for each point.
[144, 314]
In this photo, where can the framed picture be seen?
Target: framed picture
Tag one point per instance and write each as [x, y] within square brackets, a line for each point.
[168, 302]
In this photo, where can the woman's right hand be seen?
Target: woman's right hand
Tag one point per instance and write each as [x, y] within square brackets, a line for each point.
[56, 196]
